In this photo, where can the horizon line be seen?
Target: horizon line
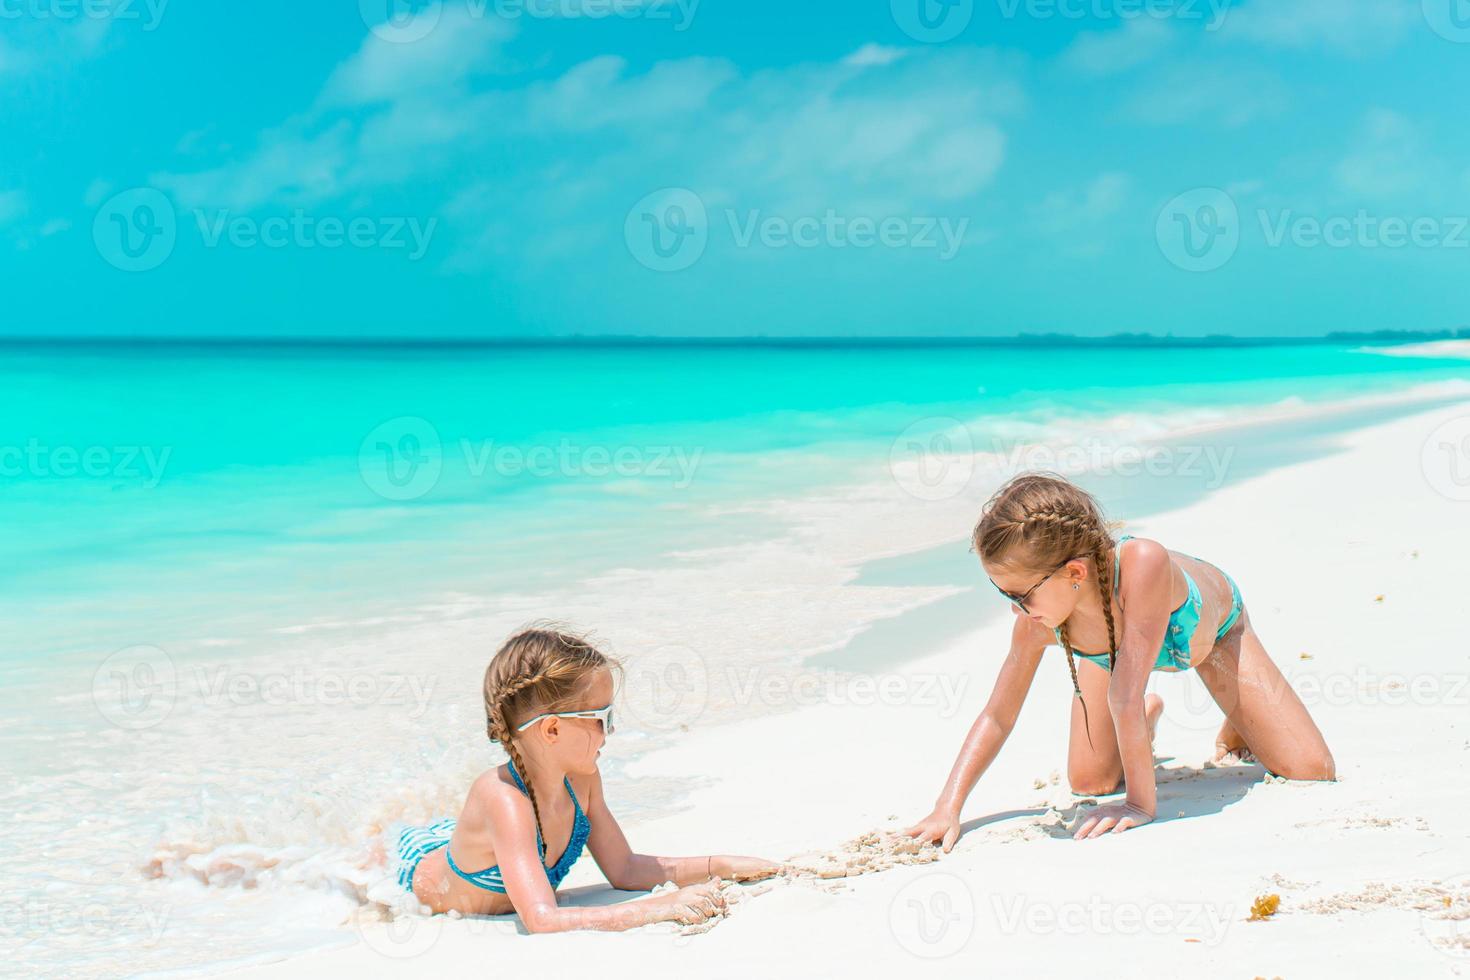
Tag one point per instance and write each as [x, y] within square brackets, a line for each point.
[755, 340]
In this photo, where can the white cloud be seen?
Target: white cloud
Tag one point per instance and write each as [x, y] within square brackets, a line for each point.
[13, 204]
[96, 192]
[1081, 211]
[1206, 95]
[597, 93]
[1388, 158]
[1101, 53]
[459, 46]
[871, 54]
[1348, 26]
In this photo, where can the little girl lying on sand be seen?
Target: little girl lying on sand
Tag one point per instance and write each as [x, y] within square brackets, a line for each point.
[548, 700]
[1045, 547]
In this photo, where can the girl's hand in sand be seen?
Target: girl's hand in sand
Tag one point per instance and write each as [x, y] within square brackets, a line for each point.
[1113, 818]
[746, 868]
[941, 825]
[693, 904]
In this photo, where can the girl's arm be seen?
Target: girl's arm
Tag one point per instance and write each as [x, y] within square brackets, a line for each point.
[1145, 596]
[514, 838]
[987, 734]
[628, 871]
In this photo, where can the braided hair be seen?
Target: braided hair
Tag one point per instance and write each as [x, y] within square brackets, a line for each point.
[542, 668]
[1039, 521]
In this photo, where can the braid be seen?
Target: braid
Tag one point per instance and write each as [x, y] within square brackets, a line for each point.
[539, 669]
[1076, 687]
[1039, 521]
[1105, 592]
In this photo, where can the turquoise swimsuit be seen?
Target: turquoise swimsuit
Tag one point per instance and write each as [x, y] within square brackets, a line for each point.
[1174, 654]
[416, 842]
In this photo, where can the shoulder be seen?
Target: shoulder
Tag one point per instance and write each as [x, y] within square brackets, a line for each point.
[1146, 568]
[494, 794]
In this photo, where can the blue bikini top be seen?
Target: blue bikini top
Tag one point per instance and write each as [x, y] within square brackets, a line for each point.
[490, 879]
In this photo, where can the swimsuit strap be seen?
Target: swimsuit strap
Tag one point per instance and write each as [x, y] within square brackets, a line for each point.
[1118, 560]
[579, 819]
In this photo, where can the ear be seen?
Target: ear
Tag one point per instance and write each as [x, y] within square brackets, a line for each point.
[551, 730]
[1077, 570]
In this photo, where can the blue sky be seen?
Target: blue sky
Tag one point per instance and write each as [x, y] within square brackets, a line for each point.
[711, 167]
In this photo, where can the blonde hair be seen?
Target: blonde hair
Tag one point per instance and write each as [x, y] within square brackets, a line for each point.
[542, 668]
[1038, 521]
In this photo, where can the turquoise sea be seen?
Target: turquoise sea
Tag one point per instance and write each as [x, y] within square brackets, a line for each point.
[277, 513]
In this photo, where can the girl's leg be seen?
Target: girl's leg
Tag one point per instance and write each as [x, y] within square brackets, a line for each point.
[1262, 712]
[1096, 769]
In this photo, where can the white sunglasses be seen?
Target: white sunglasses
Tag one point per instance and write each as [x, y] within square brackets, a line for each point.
[603, 715]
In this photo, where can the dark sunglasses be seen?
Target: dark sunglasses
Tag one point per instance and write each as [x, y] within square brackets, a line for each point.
[1020, 600]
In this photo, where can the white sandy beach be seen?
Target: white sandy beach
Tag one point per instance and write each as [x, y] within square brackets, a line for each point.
[1349, 567]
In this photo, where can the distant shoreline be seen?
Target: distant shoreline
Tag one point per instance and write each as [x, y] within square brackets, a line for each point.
[588, 342]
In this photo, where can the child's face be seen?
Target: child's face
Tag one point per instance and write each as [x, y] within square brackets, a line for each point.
[1047, 598]
[579, 740]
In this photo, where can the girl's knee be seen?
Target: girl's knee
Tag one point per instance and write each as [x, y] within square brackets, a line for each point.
[1093, 783]
[1320, 767]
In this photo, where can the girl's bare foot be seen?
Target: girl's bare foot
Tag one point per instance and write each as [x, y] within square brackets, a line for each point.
[1230, 748]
